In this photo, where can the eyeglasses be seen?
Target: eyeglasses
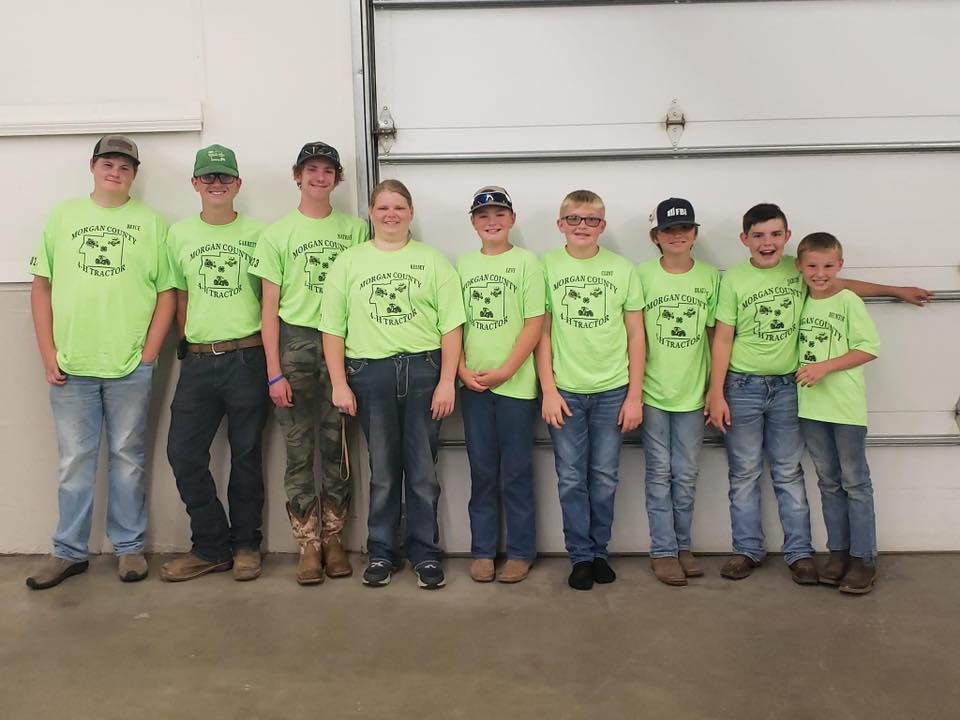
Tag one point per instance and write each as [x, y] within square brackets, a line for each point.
[222, 178]
[498, 198]
[574, 220]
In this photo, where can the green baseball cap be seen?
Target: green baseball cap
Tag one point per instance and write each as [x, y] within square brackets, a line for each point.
[215, 159]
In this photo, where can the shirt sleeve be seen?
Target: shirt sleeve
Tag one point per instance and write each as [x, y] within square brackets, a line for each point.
[165, 277]
[335, 308]
[176, 270]
[41, 264]
[713, 298]
[634, 300]
[267, 262]
[861, 331]
[450, 313]
[726, 302]
[534, 290]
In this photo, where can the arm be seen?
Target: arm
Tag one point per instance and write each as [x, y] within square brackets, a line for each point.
[554, 406]
[716, 409]
[467, 376]
[333, 354]
[160, 325]
[280, 392]
[912, 295]
[810, 375]
[445, 393]
[42, 308]
[526, 341]
[631, 412]
[181, 314]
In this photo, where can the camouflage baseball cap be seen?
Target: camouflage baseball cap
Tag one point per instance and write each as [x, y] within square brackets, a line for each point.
[117, 144]
[215, 159]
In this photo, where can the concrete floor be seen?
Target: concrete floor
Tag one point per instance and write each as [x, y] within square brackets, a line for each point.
[213, 648]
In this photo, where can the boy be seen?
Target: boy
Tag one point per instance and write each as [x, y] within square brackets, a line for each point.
[590, 363]
[681, 301]
[756, 338]
[837, 337]
[292, 258]
[222, 372]
[102, 303]
[503, 295]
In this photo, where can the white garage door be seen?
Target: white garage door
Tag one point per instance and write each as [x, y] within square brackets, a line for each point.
[844, 113]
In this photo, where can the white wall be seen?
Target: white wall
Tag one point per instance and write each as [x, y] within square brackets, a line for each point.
[269, 80]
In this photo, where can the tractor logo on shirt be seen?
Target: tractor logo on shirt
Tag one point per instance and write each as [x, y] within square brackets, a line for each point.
[316, 265]
[220, 274]
[391, 301]
[815, 344]
[775, 316]
[678, 325]
[486, 305]
[585, 306]
[101, 252]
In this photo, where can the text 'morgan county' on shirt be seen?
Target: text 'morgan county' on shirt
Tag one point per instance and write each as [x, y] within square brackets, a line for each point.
[586, 300]
[384, 303]
[499, 293]
[211, 264]
[105, 267]
[679, 307]
[764, 306]
[830, 328]
[297, 252]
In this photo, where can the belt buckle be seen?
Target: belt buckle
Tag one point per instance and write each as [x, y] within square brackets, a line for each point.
[213, 349]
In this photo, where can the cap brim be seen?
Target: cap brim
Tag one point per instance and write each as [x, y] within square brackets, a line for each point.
[490, 204]
[212, 169]
[674, 223]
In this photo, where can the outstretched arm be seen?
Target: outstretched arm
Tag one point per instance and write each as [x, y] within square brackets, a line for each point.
[912, 295]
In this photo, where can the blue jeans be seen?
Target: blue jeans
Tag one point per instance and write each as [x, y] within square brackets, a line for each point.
[499, 434]
[840, 456]
[587, 456]
[764, 423]
[81, 407]
[393, 403]
[211, 386]
[671, 449]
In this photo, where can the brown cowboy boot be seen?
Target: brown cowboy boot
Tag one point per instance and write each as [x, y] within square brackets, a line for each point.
[335, 558]
[310, 567]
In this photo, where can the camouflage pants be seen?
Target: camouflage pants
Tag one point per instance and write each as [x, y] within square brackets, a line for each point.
[301, 359]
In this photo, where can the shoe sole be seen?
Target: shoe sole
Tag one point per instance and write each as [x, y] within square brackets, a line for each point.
[430, 586]
[70, 571]
[246, 576]
[223, 567]
[812, 581]
[512, 580]
[857, 590]
[829, 581]
[310, 581]
[692, 573]
[673, 582]
[378, 583]
[339, 574]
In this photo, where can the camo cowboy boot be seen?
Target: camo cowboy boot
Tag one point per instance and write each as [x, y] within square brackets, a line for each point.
[335, 559]
[305, 530]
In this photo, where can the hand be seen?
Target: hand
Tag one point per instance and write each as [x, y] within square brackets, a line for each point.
[443, 399]
[914, 295]
[281, 393]
[631, 414]
[717, 412]
[492, 378]
[554, 408]
[810, 375]
[469, 379]
[344, 400]
[54, 374]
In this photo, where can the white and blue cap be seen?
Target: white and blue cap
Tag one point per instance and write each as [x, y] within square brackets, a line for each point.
[491, 195]
[673, 211]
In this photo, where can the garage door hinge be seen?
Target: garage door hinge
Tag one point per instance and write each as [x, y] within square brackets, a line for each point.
[386, 130]
[675, 123]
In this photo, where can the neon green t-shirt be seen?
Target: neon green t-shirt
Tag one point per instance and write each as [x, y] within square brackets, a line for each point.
[105, 266]
[830, 328]
[679, 308]
[586, 300]
[383, 303]
[211, 263]
[499, 293]
[297, 252]
[764, 306]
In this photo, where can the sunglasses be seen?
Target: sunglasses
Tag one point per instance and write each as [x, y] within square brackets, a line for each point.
[222, 178]
[487, 198]
[574, 220]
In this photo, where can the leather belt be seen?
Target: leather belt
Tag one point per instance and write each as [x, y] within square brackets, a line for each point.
[225, 346]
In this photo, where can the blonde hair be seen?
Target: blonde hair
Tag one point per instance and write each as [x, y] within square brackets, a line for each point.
[583, 197]
[820, 242]
[390, 185]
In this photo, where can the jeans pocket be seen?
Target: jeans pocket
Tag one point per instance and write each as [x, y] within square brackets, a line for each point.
[253, 357]
[354, 367]
[433, 358]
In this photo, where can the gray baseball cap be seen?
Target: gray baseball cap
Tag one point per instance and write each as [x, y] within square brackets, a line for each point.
[117, 144]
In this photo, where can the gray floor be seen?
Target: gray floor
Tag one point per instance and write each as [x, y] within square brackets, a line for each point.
[214, 648]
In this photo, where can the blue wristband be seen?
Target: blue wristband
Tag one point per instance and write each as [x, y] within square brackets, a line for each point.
[275, 380]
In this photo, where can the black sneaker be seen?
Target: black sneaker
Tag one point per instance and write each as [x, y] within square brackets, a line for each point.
[378, 573]
[581, 577]
[602, 572]
[430, 575]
